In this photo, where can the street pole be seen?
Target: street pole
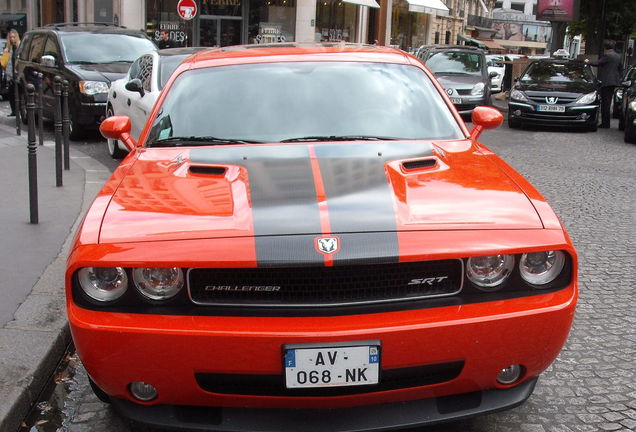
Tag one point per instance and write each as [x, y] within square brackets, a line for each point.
[66, 122]
[57, 91]
[32, 158]
[40, 77]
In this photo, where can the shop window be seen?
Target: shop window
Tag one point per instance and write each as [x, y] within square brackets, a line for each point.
[448, 38]
[335, 21]
[436, 38]
[271, 21]
[162, 15]
[518, 6]
[409, 30]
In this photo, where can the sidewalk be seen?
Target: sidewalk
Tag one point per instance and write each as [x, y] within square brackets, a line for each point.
[33, 328]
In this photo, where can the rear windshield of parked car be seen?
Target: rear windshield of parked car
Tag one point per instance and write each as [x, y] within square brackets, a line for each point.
[558, 72]
[274, 102]
[455, 62]
[96, 48]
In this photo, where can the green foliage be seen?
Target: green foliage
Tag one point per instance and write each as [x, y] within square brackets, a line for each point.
[619, 24]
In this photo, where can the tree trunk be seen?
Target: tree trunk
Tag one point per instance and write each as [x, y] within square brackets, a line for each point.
[558, 34]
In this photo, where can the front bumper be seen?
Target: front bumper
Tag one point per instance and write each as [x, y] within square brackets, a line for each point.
[390, 416]
[583, 115]
[467, 104]
[89, 115]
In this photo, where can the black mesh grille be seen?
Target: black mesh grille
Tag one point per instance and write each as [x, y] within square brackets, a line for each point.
[325, 286]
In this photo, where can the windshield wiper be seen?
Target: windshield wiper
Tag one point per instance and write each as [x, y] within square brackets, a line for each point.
[197, 140]
[340, 138]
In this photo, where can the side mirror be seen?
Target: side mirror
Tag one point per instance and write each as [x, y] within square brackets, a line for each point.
[118, 128]
[485, 118]
[48, 61]
[135, 85]
[492, 74]
[627, 83]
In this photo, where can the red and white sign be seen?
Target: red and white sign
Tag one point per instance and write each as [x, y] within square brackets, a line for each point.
[187, 9]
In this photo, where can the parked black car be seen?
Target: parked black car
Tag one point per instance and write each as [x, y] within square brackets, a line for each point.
[555, 92]
[628, 77]
[627, 114]
[462, 71]
[89, 55]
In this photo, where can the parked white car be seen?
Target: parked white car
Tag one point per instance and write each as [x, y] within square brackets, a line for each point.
[136, 93]
[495, 65]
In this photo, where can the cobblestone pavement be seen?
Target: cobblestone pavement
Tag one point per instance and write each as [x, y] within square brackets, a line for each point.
[589, 178]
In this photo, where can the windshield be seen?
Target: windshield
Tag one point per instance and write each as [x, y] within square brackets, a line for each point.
[319, 101]
[168, 65]
[104, 47]
[558, 72]
[455, 62]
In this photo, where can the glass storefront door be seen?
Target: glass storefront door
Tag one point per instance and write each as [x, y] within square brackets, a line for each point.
[220, 30]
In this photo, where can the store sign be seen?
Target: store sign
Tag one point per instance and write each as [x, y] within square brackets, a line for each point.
[269, 33]
[187, 9]
[557, 10]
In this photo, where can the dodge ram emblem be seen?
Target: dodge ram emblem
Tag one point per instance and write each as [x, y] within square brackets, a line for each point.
[327, 245]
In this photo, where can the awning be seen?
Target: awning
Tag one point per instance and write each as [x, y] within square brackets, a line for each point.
[12, 17]
[369, 3]
[479, 43]
[492, 45]
[435, 7]
[521, 44]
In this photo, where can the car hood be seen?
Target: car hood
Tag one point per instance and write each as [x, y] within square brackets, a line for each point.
[108, 72]
[549, 87]
[275, 190]
[459, 81]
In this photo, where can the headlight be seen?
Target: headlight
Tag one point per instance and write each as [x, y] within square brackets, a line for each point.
[478, 89]
[540, 268]
[632, 105]
[588, 98]
[489, 272]
[158, 283]
[104, 284]
[517, 95]
[93, 87]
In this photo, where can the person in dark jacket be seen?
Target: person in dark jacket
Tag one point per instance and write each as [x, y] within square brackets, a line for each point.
[609, 73]
[165, 41]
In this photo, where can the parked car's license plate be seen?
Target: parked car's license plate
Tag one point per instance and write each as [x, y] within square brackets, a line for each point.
[551, 108]
[332, 365]
[456, 101]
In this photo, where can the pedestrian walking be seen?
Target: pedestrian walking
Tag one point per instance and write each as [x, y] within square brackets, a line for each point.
[7, 61]
[609, 73]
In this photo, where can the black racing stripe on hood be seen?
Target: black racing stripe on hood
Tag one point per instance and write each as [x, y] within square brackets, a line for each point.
[283, 194]
[359, 196]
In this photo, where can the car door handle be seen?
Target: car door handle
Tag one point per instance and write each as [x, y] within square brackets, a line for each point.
[128, 102]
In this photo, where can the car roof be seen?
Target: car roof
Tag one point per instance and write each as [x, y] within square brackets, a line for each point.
[167, 52]
[451, 48]
[86, 28]
[279, 52]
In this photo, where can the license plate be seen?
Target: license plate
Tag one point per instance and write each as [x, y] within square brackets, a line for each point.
[332, 365]
[456, 101]
[551, 108]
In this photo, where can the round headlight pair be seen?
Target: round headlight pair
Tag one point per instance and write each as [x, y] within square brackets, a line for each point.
[107, 284]
[489, 273]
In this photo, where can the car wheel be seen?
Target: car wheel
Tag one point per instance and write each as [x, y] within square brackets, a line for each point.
[101, 395]
[514, 123]
[630, 131]
[74, 132]
[113, 145]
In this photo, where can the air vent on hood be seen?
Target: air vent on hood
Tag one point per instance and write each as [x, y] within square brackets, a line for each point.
[420, 163]
[208, 170]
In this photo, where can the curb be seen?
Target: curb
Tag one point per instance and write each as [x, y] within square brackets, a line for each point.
[33, 343]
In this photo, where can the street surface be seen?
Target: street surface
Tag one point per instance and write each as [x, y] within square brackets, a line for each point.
[589, 179]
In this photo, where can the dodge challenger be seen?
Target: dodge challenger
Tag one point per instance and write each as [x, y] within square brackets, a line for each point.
[309, 237]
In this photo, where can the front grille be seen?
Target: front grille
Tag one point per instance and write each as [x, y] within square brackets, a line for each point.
[562, 100]
[274, 385]
[325, 286]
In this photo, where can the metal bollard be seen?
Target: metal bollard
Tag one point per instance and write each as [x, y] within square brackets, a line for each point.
[32, 151]
[57, 91]
[17, 104]
[40, 76]
[66, 123]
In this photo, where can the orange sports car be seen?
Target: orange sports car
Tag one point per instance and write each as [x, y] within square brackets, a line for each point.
[308, 237]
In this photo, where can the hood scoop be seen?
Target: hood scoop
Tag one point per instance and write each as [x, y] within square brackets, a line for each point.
[419, 164]
[207, 170]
